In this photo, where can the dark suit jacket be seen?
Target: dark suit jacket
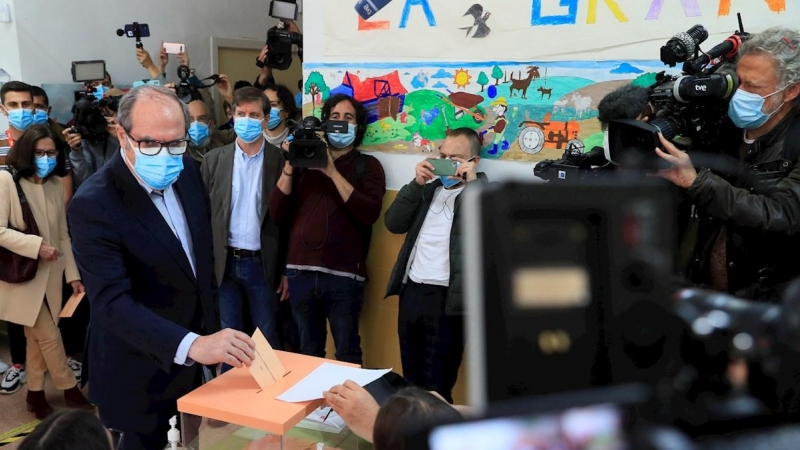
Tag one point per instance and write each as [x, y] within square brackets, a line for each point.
[144, 297]
[217, 173]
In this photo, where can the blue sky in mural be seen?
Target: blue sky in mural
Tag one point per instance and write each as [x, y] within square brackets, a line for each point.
[442, 74]
[626, 68]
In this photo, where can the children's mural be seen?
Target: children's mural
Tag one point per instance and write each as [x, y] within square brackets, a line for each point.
[526, 75]
[523, 112]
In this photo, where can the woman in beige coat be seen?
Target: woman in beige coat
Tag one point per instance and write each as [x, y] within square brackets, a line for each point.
[36, 304]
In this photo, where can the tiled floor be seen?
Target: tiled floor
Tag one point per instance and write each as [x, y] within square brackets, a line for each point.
[13, 411]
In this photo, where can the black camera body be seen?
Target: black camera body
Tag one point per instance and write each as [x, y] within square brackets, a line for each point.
[90, 121]
[308, 149]
[692, 106]
[573, 165]
[280, 44]
[186, 91]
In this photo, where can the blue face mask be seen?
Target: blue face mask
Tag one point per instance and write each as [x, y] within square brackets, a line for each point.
[99, 91]
[274, 118]
[159, 171]
[40, 117]
[44, 165]
[248, 130]
[448, 182]
[20, 119]
[343, 140]
[746, 109]
[198, 133]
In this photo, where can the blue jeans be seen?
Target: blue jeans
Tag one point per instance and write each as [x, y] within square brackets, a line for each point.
[317, 296]
[244, 280]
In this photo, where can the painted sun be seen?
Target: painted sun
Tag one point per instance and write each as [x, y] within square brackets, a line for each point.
[462, 78]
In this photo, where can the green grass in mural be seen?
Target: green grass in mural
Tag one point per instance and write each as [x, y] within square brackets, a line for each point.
[431, 124]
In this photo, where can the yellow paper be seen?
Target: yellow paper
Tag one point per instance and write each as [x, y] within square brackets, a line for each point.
[72, 305]
[266, 368]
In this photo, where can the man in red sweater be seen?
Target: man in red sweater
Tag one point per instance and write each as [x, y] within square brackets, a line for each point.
[331, 211]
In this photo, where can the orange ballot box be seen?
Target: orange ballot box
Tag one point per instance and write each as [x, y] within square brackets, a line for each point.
[232, 412]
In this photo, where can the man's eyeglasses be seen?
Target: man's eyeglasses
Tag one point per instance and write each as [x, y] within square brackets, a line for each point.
[152, 147]
[48, 153]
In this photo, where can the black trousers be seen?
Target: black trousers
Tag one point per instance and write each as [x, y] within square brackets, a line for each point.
[18, 343]
[431, 342]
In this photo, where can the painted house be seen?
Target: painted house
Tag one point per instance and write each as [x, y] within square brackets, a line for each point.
[382, 96]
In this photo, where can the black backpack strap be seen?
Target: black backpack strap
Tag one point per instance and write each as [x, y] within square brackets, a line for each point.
[791, 143]
[359, 167]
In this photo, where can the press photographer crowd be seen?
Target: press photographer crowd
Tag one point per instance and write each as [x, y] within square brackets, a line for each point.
[642, 294]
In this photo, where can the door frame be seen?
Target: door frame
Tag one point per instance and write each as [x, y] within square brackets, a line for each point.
[237, 43]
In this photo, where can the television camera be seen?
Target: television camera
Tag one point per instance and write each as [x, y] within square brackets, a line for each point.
[88, 111]
[279, 40]
[307, 149]
[689, 109]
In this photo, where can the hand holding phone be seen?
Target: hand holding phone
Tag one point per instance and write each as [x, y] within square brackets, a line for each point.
[444, 167]
[173, 48]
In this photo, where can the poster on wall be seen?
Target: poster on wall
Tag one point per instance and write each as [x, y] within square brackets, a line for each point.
[526, 75]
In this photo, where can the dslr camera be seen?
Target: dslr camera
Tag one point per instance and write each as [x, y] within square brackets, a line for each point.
[307, 149]
[188, 92]
[279, 40]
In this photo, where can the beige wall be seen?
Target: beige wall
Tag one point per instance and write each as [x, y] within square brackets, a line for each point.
[379, 316]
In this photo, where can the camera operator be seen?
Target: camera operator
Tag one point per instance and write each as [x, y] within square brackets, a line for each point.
[282, 108]
[88, 157]
[428, 274]
[266, 78]
[331, 211]
[748, 233]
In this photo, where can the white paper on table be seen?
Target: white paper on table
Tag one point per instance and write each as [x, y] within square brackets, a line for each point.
[326, 376]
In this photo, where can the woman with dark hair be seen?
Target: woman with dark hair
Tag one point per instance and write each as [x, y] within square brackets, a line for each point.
[68, 430]
[36, 304]
[282, 108]
[408, 412]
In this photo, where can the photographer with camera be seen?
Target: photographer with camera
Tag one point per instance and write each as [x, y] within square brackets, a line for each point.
[428, 274]
[91, 152]
[748, 233]
[331, 210]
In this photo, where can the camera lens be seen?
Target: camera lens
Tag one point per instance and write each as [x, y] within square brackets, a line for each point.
[666, 126]
[309, 152]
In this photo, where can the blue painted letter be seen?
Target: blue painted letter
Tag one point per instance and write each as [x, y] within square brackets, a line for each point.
[566, 19]
[426, 8]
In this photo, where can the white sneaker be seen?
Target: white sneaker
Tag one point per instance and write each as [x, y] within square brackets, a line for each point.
[3, 367]
[77, 368]
[15, 377]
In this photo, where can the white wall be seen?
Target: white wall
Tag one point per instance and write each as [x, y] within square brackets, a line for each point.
[9, 51]
[53, 33]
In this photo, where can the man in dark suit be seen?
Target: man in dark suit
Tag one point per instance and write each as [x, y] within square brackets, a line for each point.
[142, 240]
[247, 243]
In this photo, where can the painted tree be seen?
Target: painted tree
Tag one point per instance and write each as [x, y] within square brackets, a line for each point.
[483, 80]
[497, 73]
[317, 88]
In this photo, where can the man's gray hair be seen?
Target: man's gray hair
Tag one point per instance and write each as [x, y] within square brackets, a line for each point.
[783, 44]
[125, 109]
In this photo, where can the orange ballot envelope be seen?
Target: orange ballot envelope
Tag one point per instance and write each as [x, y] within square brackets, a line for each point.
[266, 368]
[72, 305]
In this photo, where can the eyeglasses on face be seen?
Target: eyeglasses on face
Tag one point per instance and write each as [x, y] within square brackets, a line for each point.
[49, 153]
[152, 147]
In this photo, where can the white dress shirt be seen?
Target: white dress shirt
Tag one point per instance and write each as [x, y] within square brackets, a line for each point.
[244, 229]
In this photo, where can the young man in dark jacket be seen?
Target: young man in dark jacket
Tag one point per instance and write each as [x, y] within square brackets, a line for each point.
[428, 273]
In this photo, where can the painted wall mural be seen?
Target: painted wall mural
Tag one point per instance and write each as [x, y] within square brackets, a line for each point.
[526, 75]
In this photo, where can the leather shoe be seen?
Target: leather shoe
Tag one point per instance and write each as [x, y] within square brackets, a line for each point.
[37, 404]
[75, 399]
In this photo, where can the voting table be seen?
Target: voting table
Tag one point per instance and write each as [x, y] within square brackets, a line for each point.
[232, 412]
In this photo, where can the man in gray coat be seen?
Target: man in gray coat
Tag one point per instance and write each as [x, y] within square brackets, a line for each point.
[247, 243]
